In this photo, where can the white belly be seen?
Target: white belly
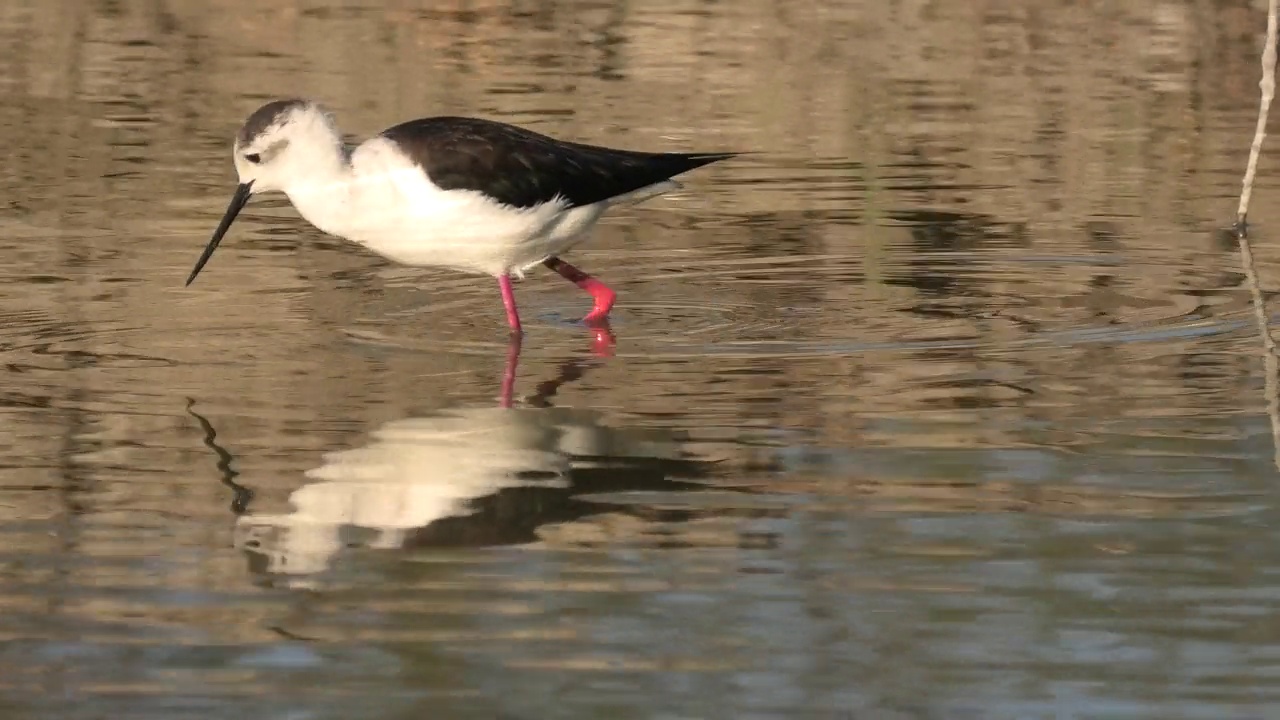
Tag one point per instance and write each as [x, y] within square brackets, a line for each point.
[471, 233]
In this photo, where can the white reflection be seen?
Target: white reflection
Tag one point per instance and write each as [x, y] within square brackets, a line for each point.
[418, 471]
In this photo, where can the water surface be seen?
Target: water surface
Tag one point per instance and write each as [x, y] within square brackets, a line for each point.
[947, 403]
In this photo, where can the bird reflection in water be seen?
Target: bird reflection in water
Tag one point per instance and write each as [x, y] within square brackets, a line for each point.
[470, 477]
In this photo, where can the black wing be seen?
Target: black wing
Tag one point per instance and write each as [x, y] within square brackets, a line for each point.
[522, 168]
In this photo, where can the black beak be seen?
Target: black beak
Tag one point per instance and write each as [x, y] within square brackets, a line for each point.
[237, 204]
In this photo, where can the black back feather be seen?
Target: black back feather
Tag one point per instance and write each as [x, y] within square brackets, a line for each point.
[523, 168]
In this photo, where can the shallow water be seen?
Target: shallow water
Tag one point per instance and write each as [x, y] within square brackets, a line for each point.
[947, 403]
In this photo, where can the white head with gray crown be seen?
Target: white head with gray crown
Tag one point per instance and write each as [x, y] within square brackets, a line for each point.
[282, 142]
[282, 145]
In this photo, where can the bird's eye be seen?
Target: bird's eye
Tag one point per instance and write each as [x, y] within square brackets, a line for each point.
[254, 158]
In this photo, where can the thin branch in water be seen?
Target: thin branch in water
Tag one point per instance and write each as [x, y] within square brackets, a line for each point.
[1268, 86]
[1271, 364]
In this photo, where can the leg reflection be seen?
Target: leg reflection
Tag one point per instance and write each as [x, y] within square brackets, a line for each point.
[569, 371]
[509, 372]
[602, 345]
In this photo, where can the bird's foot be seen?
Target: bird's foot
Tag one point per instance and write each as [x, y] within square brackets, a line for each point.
[603, 297]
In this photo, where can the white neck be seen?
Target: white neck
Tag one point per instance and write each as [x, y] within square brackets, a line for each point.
[322, 189]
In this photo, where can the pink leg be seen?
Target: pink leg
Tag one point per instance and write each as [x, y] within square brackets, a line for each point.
[509, 302]
[601, 293]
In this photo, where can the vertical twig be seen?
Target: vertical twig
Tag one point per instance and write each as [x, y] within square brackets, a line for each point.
[1268, 87]
[1271, 363]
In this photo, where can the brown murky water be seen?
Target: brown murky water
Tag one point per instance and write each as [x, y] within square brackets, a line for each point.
[946, 404]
